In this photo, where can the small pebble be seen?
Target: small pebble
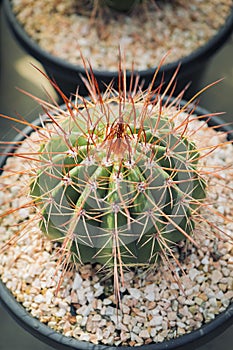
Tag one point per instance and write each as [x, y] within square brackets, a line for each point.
[216, 276]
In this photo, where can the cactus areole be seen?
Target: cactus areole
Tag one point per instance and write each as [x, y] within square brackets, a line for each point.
[117, 183]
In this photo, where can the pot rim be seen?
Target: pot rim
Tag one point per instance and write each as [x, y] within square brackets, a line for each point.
[43, 332]
[199, 54]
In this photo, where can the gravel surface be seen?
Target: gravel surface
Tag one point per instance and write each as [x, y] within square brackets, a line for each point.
[63, 28]
[154, 306]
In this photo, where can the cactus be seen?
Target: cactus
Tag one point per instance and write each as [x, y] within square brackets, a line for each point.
[121, 5]
[118, 184]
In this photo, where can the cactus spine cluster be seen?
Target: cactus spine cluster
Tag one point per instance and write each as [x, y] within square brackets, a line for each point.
[118, 182]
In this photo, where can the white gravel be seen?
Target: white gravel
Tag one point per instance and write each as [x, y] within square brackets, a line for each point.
[152, 29]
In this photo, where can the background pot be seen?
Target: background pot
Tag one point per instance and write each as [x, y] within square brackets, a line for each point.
[67, 75]
[41, 331]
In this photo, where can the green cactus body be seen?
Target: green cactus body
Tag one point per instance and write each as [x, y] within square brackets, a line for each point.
[121, 5]
[119, 182]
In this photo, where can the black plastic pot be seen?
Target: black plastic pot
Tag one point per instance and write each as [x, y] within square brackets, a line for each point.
[189, 341]
[67, 75]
